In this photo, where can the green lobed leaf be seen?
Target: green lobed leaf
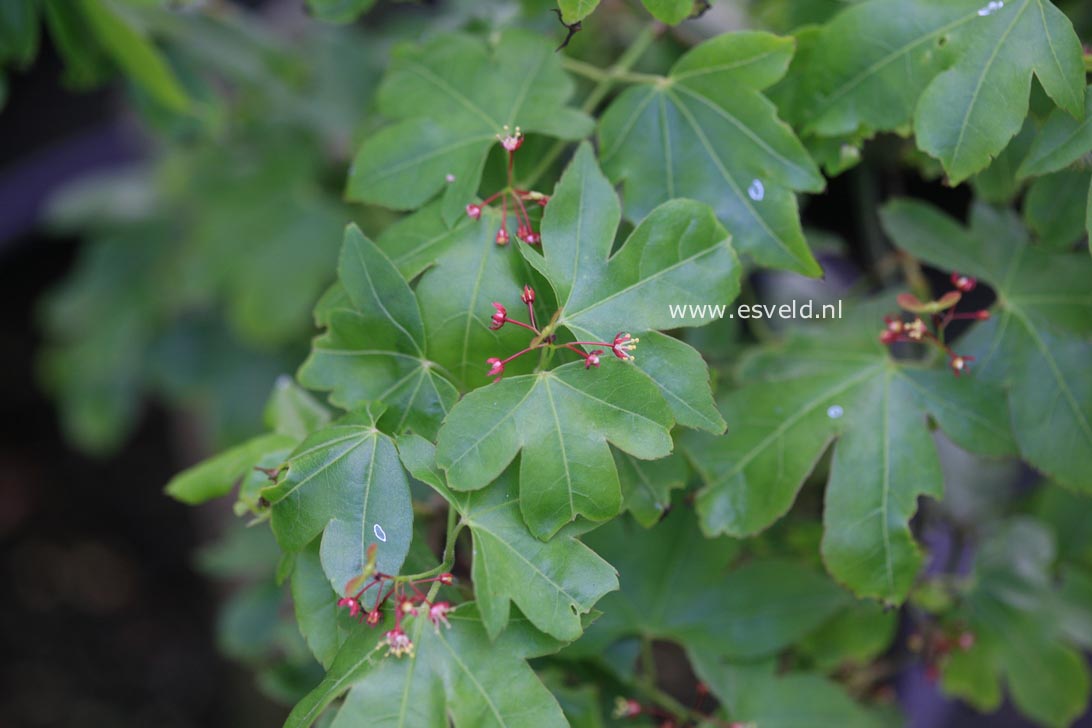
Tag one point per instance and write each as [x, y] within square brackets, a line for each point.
[456, 293]
[855, 635]
[679, 254]
[676, 585]
[215, 477]
[346, 482]
[706, 132]
[836, 383]
[293, 411]
[1001, 182]
[552, 583]
[1038, 342]
[375, 348]
[1062, 141]
[450, 99]
[1055, 207]
[671, 12]
[573, 11]
[454, 674]
[1009, 609]
[970, 111]
[562, 421]
[755, 694]
[647, 484]
[959, 72]
[324, 625]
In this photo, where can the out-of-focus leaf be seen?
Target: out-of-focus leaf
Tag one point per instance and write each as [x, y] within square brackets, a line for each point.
[1037, 344]
[695, 600]
[451, 98]
[706, 132]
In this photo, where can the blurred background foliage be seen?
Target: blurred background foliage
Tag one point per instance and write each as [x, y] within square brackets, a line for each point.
[201, 261]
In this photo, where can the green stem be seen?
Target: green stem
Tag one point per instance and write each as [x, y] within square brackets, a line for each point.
[608, 75]
[680, 711]
[1088, 62]
[605, 81]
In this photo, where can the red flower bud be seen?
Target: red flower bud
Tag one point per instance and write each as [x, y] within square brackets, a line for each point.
[502, 236]
[446, 578]
[351, 603]
[528, 295]
[592, 359]
[474, 212]
[496, 368]
[959, 363]
[963, 283]
[373, 618]
[500, 316]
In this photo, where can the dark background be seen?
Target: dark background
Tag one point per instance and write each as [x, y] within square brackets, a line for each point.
[103, 619]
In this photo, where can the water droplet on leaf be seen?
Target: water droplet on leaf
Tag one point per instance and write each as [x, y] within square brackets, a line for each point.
[991, 8]
[379, 533]
[757, 190]
[835, 411]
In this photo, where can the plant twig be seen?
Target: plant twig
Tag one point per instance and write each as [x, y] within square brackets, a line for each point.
[605, 81]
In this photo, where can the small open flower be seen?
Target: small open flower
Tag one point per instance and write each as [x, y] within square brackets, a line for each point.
[398, 643]
[592, 360]
[959, 363]
[407, 607]
[623, 345]
[437, 613]
[915, 329]
[352, 603]
[496, 368]
[500, 316]
[963, 283]
[511, 141]
[626, 708]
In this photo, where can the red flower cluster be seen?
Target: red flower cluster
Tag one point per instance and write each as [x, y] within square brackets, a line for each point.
[941, 312]
[405, 605]
[621, 347]
[512, 141]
